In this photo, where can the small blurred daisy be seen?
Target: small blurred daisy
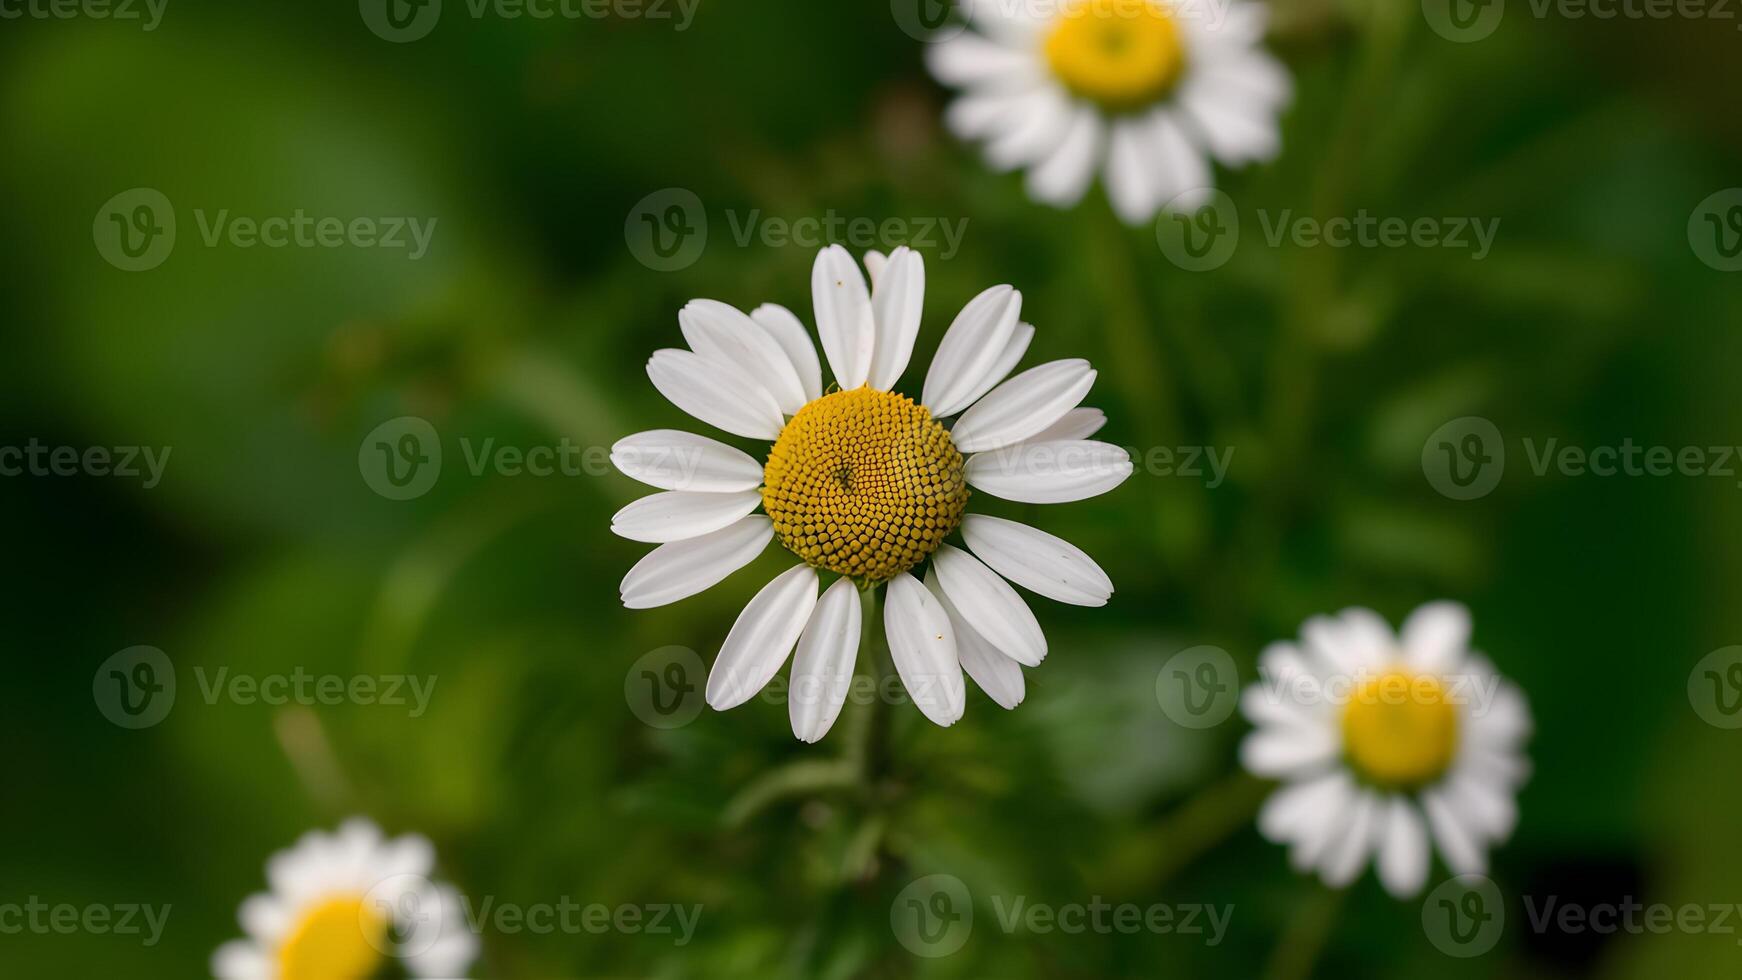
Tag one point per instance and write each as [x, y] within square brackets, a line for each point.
[1145, 89]
[342, 905]
[1373, 732]
[867, 484]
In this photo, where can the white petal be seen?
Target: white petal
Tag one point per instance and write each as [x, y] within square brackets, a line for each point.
[1234, 106]
[1078, 423]
[1037, 561]
[1487, 809]
[716, 392]
[792, 337]
[874, 263]
[1178, 166]
[1132, 172]
[822, 669]
[679, 514]
[1061, 178]
[239, 960]
[1039, 130]
[969, 59]
[1403, 850]
[671, 459]
[844, 318]
[1321, 829]
[981, 115]
[1463, 853]
[1278, 751]
[923, 646]
[1001, 368]
[1345, 861]
[1436, 637]
[996, 674]
[976, 342]
[1369, 636]
[988, 603]
[1348, 643]
[1295, 807]
[897, 302]
[720, 332]
[762, 637]
[1050, 472]
[683, 568]
[1023, 406]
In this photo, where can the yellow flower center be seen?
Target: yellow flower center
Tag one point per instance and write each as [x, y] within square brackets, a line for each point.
[340, 939]
[1122, 54]
[864, 483]
[1400, 730]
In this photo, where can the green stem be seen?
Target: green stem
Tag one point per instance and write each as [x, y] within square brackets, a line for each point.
[1307, 934]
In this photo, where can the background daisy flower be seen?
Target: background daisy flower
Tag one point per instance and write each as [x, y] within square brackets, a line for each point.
[866, 483]
[1145, 90]
[342, 905]
[1382, 738]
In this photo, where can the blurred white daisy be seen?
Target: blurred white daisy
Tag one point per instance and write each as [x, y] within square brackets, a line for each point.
[342, 906]
[1145, 90]
[1384, 740]
[866, 483]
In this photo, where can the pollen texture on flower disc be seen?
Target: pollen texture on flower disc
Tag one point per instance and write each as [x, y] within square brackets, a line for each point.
[864, 483]
[1400, 730]
[339, 939]
[1122, 54]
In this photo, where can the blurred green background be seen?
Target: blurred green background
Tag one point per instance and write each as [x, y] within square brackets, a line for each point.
[531, 141]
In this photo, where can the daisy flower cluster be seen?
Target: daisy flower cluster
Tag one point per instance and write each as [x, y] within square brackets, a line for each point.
[1386, 741]
[866, 484]
[1146, 92]
[346, 906]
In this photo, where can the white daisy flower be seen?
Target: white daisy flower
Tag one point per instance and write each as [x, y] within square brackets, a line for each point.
[1146, 90]
[1383, 739]
[342, 905]
[867, 484]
